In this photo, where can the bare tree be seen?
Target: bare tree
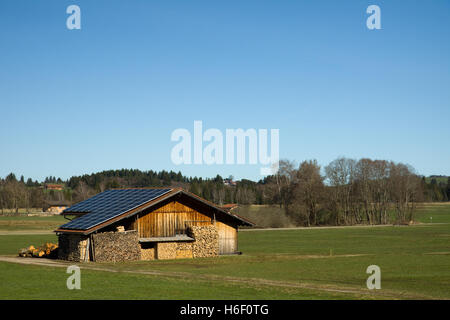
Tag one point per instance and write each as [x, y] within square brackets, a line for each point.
[309, 188]
[340, 175]
[364, 177]
[405, 189]
[14, 192]
[2, 195]
[82, 191]
[380, 175]
[278, 187]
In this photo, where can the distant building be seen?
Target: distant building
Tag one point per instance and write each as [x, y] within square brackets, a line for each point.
[229, 206]
[56, 207]
[52, 186]
[229, 182]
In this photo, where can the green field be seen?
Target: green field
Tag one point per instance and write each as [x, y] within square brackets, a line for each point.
[439, 212]
[276, 264]
[24, 222]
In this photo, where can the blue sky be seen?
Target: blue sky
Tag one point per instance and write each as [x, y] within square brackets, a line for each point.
[109, 96]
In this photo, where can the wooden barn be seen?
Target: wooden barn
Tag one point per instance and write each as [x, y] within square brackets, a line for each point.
[145, 224]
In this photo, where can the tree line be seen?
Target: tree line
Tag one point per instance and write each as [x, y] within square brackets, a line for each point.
[344, 192]
[18, 193]
[349, 192]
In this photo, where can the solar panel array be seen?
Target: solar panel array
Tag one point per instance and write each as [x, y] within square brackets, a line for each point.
[109, 204]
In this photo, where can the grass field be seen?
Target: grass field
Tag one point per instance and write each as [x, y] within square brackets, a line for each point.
[273, 216]
[266, 216]
[439, 212]
[279, 264]
[24, 222]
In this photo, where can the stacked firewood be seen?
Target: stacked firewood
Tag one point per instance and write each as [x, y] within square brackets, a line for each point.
[47, 250]
[116, 246]
[206, 242]
[166, 250]
[147, 253]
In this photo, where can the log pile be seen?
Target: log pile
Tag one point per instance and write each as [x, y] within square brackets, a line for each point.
[72, 247]
[184, 254]
[206, 242]
[147, 253]
[166, 250]
[116, 246]
[184, 250]
[47, 250]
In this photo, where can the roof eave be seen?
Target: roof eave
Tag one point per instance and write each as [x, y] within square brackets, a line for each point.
[75, 231]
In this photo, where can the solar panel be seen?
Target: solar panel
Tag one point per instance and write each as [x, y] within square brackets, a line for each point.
[109, 204]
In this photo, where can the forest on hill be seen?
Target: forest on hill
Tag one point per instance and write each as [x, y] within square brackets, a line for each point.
[344, 192]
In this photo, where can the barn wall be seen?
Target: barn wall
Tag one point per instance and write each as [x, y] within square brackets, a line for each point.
[227, 238]
[169, 219]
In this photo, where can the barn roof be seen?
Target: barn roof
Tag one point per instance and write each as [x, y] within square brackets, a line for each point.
[109, 204]
[229, 206]
[61, 203]
[112, 205]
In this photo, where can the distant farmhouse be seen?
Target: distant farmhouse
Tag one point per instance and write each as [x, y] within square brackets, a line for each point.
[229, 182]
[230, 206]
[146, 224]
[52, 186]
[55, 207]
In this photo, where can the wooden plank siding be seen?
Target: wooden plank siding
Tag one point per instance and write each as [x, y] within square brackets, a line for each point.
[169, 219]
[227, 238]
